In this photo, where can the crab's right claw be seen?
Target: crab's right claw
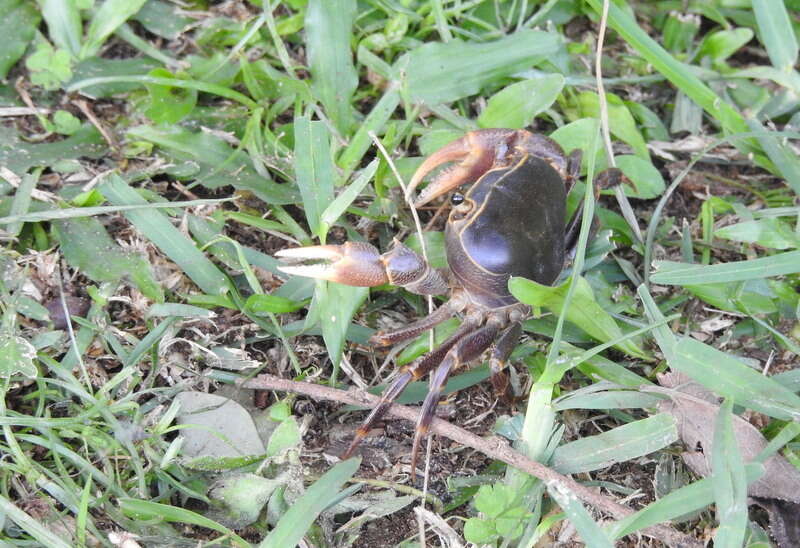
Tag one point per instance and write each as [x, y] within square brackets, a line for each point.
[475, 154]
[353, 263]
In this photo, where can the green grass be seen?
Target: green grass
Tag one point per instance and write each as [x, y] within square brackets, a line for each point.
[153, 158]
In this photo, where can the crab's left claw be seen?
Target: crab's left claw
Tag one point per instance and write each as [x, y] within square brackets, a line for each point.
[353, 263]
[476, 153]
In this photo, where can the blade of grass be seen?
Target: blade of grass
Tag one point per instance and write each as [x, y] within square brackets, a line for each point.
[620, 444]
[146, 510]
[174, 244]
[296, 521]
[63, 24]
[776, 33]
[729, 377]
[680, 502]
[314, 171]
[334, 79]
[22, 200]
[591, 533]
[728, 481]
[441, 73]
[675, 71]
[374, 122]
[105, 20]
[70, 213]
[30, 525]
[673, 273]
[338, 206]
[206, 87]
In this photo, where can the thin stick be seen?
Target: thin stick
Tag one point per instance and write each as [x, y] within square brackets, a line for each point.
[619, 192]
[492, 446]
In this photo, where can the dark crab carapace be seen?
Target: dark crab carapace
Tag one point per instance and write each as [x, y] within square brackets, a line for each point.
[511, 222]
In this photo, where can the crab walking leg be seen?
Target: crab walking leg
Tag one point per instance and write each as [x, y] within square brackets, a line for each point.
[418, 369]
[444, 312]
[464, 351]
[500, 353]
[361, 264]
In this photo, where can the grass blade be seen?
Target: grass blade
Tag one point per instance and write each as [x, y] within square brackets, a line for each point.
[680, 502]
[107, 19]
[591, 533]
[675, 71]
[731, 378]
[374, 122]
[343, 200]
[673, 273]
[623, 443]
[296, 521]
[314, 170]
[776, 32]
[143, 509]
[30, 525]
[157, 228]
[63, 23]
[441, 73]
[728, 481]
[334, 78]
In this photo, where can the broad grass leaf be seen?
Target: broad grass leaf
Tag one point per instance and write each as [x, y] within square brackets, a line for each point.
[620, 120]
[573, 137]
[776, 33]
[728, 481]
[674, 273]
[584, 310]
[589, 530]
[19, 156]
[340, 204]
[168, 105]
[646, 178]
[87, 246]
[17, 27]
[680, 502]
[146, 510]
[162, 18]
[337, 305]
[751, 297]
[313, 168]
[158, 229]
[333, 76]
[722, 44]
[63, 24]
[772, 233]
[375, 122]
[725, 375]
[517, 105]
[294, 524]
[106, 19]
[98, 67]
[216, 163]
[620, 444]
[440, 73]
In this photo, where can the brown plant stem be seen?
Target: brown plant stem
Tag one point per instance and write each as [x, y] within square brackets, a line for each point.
[492, 446]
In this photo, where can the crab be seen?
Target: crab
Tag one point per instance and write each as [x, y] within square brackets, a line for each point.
[510, 222]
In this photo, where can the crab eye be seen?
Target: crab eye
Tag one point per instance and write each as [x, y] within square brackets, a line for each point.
[456, 198]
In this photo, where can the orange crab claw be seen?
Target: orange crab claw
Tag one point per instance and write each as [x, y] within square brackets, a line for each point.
[353, 263]
[476, 153]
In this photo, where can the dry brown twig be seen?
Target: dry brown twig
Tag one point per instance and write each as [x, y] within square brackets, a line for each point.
[492, 446]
